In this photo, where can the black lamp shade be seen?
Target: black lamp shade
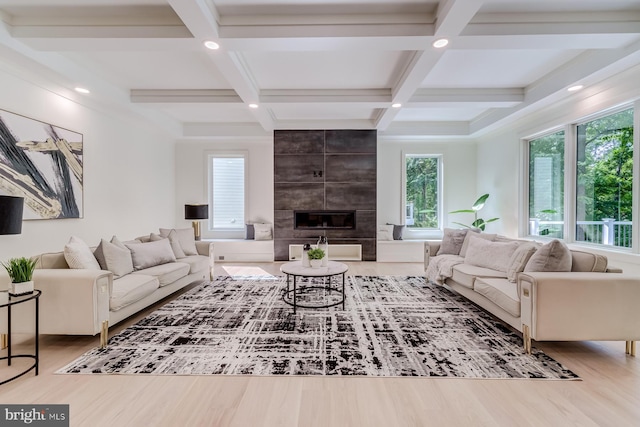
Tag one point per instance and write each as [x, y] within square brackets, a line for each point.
[196, 211]
[11, 214]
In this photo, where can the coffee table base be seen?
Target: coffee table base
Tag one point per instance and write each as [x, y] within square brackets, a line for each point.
[290, 296]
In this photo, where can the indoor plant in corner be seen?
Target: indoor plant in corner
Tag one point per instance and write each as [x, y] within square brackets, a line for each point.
[315, 257]
[21, 273]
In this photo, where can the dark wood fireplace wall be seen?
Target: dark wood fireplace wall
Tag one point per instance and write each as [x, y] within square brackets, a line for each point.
[325, 170]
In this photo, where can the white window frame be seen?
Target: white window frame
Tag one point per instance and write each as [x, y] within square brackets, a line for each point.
[221, 232]
[418, 233]
[570, 169]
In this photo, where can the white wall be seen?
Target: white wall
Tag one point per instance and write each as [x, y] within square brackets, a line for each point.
[499, 153]
[128, 171]
[459, 179]
[191, 178]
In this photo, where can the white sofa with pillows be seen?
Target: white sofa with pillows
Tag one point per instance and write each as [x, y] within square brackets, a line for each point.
[546, 291]
[85, 290]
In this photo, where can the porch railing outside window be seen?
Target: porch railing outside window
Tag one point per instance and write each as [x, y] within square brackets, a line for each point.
[606, 232]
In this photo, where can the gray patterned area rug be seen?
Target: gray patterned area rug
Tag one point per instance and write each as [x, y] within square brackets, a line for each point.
[391, 326]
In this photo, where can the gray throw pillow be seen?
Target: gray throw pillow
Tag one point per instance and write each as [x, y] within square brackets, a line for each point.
[553, 256]
[397, 231]
[150, 254]
[452, 241]
[250, 232]
[475, 233]
[186, 238]
[99, 254]
[487, 254]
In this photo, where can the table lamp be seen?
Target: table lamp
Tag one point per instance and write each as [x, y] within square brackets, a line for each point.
[196, 213]
[11, 214]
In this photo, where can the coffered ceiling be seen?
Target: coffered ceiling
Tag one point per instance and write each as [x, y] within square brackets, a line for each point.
[337, 64]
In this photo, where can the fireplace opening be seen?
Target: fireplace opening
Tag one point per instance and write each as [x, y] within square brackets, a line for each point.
[325, 220]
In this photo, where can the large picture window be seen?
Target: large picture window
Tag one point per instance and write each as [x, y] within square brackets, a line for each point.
[422, 191]
[546, 186]
[227, 191]
[604, 180]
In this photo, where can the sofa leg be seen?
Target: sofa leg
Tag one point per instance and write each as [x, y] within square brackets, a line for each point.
[104, 334]
[526, 338]
[630, 348]
[4, 341]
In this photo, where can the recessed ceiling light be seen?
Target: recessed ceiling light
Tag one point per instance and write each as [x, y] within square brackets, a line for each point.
[440, 43]
[575, 88]
[253, 105]
[82, 90]
[396, 105]
[211, 45]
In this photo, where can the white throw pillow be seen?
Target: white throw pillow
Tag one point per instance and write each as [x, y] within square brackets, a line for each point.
[185, 236]
[262, 232]
[488, 254]
[118, 259]
[150, 254]
[79, 256]
[385, 232]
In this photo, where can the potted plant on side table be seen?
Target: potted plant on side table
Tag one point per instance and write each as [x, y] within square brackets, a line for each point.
[315, 257]
[21, 273]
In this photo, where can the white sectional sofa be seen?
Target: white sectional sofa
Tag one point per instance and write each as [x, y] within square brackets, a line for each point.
[587, 301]
[82, 301]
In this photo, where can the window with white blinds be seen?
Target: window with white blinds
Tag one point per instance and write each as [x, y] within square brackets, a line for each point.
[227, 190]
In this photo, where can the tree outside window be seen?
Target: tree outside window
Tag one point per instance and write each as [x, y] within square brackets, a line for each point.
[422, 197]
[604, 187]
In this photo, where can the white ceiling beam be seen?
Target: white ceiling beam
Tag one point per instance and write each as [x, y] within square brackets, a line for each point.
[454, 15]
[100, 32]
[325, 124]
[427, 128]
[419, 65]
[453, 95]
[184, 96]
[545, 28]
[375, 98]
[200, 16]
[230, 64]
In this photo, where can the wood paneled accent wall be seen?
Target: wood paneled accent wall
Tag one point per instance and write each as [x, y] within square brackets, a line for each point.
[325, 170]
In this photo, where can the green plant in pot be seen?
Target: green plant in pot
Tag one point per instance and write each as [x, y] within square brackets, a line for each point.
[477, 222]
[315, 257]
[20, 271]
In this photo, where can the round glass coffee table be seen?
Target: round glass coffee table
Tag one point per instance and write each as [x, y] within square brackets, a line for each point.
[295, 269]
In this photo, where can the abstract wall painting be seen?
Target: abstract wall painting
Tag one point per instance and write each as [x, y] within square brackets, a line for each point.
[42, 163]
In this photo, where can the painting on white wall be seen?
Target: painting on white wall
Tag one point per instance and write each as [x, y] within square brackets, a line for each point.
[42, 163]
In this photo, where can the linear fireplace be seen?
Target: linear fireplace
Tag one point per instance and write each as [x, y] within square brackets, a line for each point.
[325, 220]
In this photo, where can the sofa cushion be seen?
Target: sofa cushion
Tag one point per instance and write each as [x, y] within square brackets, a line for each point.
[166, 273]
[585, 261]
[78, 255]
[185, 236]
[488, 254]
[118, 260]
[131, 288]
[452, 241]
[501, 292]
[474, 233]
[197, 263]
[465, 274]
[173, 241]
[552, 256]
[150, 254]
[519, 260]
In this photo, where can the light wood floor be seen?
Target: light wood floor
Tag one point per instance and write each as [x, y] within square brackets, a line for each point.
[608, 395]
